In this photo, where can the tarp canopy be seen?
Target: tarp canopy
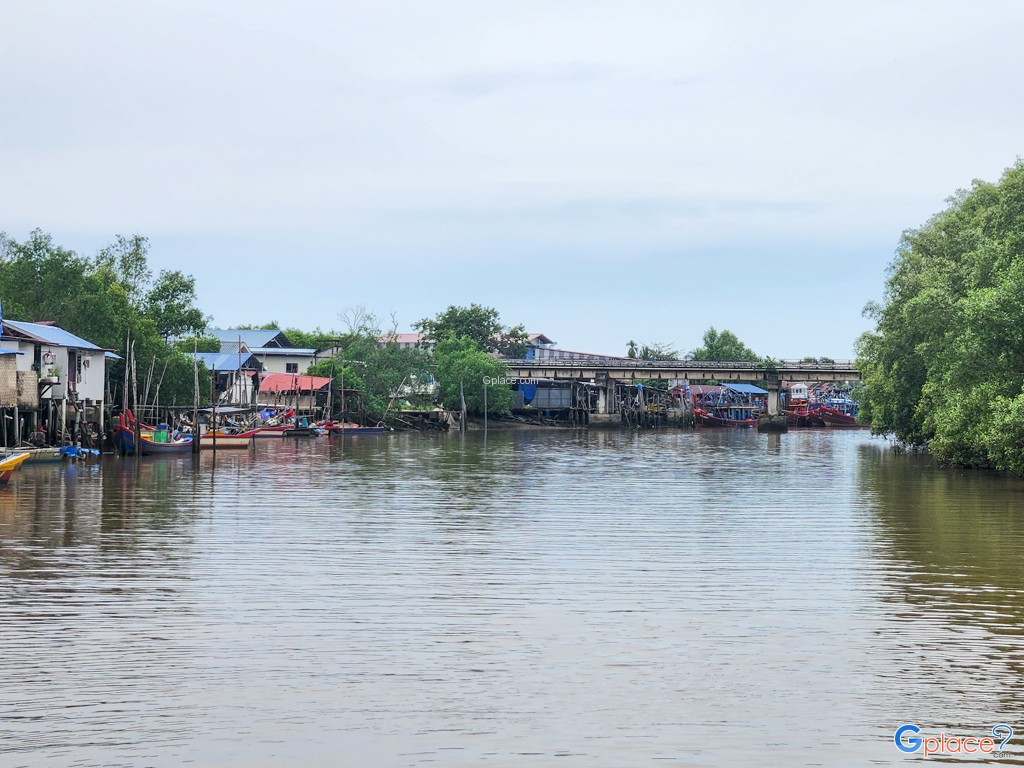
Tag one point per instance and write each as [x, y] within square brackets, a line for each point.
[746, 389]
[290, 382]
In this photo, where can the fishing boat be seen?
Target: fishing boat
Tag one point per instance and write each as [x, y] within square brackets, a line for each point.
[836, 417]
[725, 406]
[222, 439]
[333, 428]
[11, 463]
[153, 442]
[800, 410]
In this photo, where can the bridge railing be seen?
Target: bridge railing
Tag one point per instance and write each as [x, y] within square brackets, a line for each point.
[681, 365]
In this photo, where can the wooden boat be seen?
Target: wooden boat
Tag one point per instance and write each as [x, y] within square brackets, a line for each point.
[705, 418]
[11, 463]
[277, 430]
[44, 455]
[301, 432]
[333, 428]
[227, 439]
[150, 444]
[834, 417]
[720, 406]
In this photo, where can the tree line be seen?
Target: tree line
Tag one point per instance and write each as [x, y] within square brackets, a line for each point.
[944, 366]
[114, 297]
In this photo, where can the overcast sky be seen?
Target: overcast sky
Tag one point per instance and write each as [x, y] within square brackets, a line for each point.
[597, 171]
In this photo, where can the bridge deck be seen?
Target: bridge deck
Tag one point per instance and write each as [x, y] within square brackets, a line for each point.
[680, 369]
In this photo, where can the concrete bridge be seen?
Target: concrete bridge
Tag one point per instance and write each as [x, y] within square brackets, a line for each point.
[629, 370]
[605, 373]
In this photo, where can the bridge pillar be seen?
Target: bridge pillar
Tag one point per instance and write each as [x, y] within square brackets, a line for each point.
[773, 421]
[605, 394]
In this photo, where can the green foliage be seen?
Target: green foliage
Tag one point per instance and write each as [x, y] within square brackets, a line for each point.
[651, 352]
[171, 304]
[481, 324]
[315, 339]
[723, 346]
[460, 359]
[945, 362]
[371, 370]
[103, 300]
[190, 344]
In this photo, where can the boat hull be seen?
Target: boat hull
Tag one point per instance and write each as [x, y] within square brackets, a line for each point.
[705, 419]
[265, 432]
[833, 418]
[125, 442]
[225, 440]
[10, 464]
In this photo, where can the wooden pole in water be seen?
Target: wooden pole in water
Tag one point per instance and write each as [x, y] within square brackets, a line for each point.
[462, 414]
[135, 397]
[485, 405]
[213, 412]
[195, 396]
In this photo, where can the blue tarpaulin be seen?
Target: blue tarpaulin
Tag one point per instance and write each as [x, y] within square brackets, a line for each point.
[528, 390]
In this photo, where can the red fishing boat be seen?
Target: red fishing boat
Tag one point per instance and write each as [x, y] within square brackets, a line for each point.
[732, 405]
[834, 417]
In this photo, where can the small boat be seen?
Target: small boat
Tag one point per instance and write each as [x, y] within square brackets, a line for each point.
[302, 432]
[706, 418]
[9, 464]
[277, 430]
[227, 439]
[44, 455]
[332, 428]
[839, 410]
[835, 417]
[153, 442]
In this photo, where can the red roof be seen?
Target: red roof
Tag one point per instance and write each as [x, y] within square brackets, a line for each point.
[289, 382]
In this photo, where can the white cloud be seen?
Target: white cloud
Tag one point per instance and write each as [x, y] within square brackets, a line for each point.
[365, 138]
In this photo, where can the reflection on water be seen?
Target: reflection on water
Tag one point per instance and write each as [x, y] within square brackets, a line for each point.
[536, 598]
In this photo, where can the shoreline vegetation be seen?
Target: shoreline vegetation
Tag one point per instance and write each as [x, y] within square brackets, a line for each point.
[944, 367]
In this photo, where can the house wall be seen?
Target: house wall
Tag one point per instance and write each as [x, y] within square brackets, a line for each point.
[278, 363]
[92, 374]
[8, 381]
[91, 378]
[52, 359]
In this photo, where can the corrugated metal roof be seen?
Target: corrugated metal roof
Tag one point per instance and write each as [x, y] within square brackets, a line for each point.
[296, 351]
[222, 362]
[10, 352]
[747, 389]
[288, 382]
[259, 338]
[49, 334]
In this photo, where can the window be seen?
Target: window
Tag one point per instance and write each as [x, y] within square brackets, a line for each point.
[291, 367]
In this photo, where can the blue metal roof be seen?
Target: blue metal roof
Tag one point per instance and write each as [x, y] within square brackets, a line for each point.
[747, 389]
[221, 361]
[250, 338]
[49, 334]
[297, 351]
[10, 352]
